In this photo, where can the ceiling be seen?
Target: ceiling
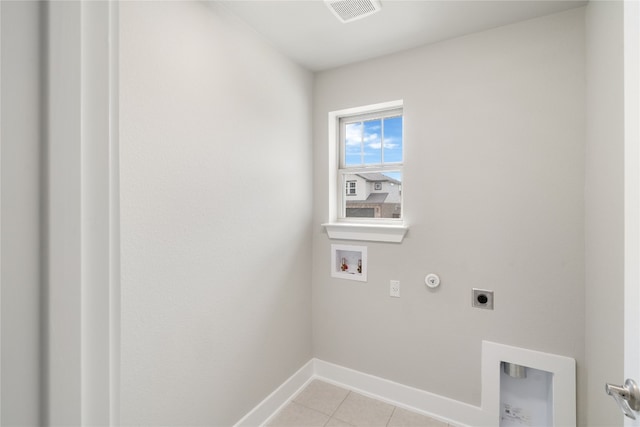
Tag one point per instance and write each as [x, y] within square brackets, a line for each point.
[308, 33]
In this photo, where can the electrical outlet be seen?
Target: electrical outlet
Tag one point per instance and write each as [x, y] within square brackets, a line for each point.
[482, 298]
[394, 288]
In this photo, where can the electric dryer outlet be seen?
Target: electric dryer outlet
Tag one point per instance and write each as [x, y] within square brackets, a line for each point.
[482, 298]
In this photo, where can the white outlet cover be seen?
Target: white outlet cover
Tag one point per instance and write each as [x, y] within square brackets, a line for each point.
[394, 288]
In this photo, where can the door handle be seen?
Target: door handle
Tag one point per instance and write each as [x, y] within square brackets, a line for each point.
[626, 396]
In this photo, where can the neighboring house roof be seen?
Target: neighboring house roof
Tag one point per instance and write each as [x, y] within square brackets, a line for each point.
[378, 177]
[376, 198]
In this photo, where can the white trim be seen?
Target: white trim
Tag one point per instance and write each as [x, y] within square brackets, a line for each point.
[114, 213]
[81, 191]
[0, 211]
[448, 410]
[451, 411]
[410, 398]
[63, 371]
[389, 105]
[632, 192]
[272, 404]
[380, 232]
[564, 379]
[96, 275]
[366, 232]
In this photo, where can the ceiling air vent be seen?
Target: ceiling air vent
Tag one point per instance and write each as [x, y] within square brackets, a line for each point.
[351, 10]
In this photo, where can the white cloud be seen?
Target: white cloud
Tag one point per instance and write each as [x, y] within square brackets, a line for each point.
[357, 134]
[354, 136]
[389, 144]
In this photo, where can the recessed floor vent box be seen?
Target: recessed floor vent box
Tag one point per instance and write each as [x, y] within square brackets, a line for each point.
[526, 396]
[523, 387]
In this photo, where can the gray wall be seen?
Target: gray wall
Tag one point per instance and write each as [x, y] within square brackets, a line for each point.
[215, 140]
[20, 250]
[216, 277]
[604, 209]
[494, 176]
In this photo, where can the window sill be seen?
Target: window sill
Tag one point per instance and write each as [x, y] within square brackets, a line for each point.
[366, 232]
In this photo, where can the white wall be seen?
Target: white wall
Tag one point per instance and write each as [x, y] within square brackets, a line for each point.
[20, 168]
[215, 214]
[493, 192]
[604, 209]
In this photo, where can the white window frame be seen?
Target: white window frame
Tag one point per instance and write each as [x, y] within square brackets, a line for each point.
[338, 227]
[345, 171]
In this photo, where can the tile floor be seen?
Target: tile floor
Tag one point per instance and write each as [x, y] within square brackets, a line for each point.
[325, 405]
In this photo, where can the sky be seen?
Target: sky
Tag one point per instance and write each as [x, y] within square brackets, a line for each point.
[364, 143]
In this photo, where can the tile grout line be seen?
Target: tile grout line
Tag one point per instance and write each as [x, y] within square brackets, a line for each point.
[338, 407]
[311, 409]
[341, 402]
[391, 416]
[327, 422]
[331, 416]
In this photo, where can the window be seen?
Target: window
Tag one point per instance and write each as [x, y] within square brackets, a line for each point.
[351, 188]
[366, 161]
[371, 158]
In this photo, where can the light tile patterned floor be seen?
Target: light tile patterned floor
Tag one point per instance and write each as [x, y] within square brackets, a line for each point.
[324, 405]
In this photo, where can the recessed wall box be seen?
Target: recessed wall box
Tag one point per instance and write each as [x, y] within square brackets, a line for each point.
[349, 262]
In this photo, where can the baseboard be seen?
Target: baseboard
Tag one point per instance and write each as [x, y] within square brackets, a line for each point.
[451, 411]
[261, 414]
[439, 407]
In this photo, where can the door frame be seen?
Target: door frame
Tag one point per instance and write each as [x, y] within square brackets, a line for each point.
[81, 237]
[632, 192]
